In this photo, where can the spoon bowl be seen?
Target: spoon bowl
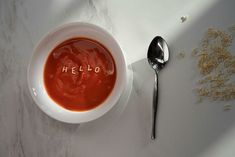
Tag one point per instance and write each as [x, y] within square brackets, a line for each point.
[158, 53]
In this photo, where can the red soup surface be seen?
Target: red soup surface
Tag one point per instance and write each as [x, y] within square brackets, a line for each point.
[79, 74]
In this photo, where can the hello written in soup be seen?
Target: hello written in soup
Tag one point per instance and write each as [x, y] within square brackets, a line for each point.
[75, 70]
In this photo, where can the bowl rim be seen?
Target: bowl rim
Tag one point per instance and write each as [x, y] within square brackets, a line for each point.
[37, 46]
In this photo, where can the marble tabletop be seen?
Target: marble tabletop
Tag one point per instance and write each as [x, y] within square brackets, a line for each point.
[185, 128]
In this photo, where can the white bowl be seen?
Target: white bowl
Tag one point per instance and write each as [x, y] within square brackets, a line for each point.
[39, 57]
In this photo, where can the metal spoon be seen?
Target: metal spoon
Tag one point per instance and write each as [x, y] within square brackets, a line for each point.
[158, 55]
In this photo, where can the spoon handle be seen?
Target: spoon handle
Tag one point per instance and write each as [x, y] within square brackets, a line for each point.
[155, 106]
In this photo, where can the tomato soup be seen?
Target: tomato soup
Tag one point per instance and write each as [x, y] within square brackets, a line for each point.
[79, 74]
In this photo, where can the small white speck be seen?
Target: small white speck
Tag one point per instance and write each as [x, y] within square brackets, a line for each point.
[35, 93]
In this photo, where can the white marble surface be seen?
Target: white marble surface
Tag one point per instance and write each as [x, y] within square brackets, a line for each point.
[185, 129]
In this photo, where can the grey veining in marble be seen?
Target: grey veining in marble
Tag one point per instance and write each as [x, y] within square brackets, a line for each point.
[184, 128]
[25, 130]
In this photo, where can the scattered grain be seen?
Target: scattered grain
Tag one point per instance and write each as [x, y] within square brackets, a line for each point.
[216, 65]
[227, 107]
[183, 18]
